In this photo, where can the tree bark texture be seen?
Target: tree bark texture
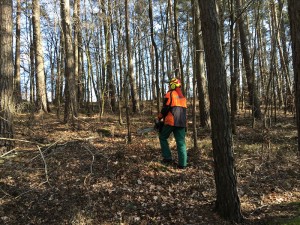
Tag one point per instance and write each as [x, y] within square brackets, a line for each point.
[17, 84]
[294, 15]
[39, 58]
[178, 48]
[156, 57]
[253, 98]
[6, 76]
[199, 69]
[108, 38]
[227, 203]
[69, 60]
[134, 95]
[76, 48]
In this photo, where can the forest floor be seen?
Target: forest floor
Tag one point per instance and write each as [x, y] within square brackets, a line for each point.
[90, 174]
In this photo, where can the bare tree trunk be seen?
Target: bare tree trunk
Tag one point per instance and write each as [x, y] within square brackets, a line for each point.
[233, 59]
[32, 72]
[76, 48]
[111, 92]
[89, 78]
[59, 80]
[253, 98]
[294, 15]
[284, 55]
[39, 58]
[17, 78]
[199, 69]
[178, 48]
[156, 57]
[71, 95]
[134, 95]
[121, 65]
[227, 203]
[234, 81]
[6, 76]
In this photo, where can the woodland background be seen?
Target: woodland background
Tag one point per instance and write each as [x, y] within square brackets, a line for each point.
[78, 79]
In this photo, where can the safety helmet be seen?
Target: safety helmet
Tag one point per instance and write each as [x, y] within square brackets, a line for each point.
[174, 83]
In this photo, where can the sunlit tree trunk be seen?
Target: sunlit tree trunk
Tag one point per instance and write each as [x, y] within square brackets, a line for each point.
[6, 76]
[17, 78]
[77, 48]
[108, 53]
[227, 202]
[71, 96]
[59, 75]
[178, 48]
[171, 52]
[156, 57]
[133, 88]
[120, 56]
[39, 58]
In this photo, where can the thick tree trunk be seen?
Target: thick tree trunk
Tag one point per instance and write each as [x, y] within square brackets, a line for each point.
[227, 203]
[39, 58]
[294, 15]
[71, 95]
[6, 77]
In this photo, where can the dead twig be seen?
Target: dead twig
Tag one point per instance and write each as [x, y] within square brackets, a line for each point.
[20, 140]
[6, 153]
[93, 158]
[5, 193]
[49, 146]
[45, 165]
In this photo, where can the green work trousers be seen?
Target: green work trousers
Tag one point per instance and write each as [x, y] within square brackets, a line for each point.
[179, 134]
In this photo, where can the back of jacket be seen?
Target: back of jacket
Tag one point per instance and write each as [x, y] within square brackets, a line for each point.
[174, 109]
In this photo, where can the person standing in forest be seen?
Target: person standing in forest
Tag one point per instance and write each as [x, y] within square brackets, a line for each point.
[173, 115]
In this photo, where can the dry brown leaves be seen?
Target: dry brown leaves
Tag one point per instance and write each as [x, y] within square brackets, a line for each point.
[97, 177]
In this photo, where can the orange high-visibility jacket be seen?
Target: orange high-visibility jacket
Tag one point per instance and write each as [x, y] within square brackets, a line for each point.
[174, 110]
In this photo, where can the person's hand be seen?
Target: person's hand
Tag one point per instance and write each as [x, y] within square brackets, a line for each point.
[156, 123]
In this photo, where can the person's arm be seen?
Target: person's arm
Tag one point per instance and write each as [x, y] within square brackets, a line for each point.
[166, 107]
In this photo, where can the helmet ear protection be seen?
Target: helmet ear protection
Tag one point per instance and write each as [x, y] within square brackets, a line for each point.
[174, 83]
